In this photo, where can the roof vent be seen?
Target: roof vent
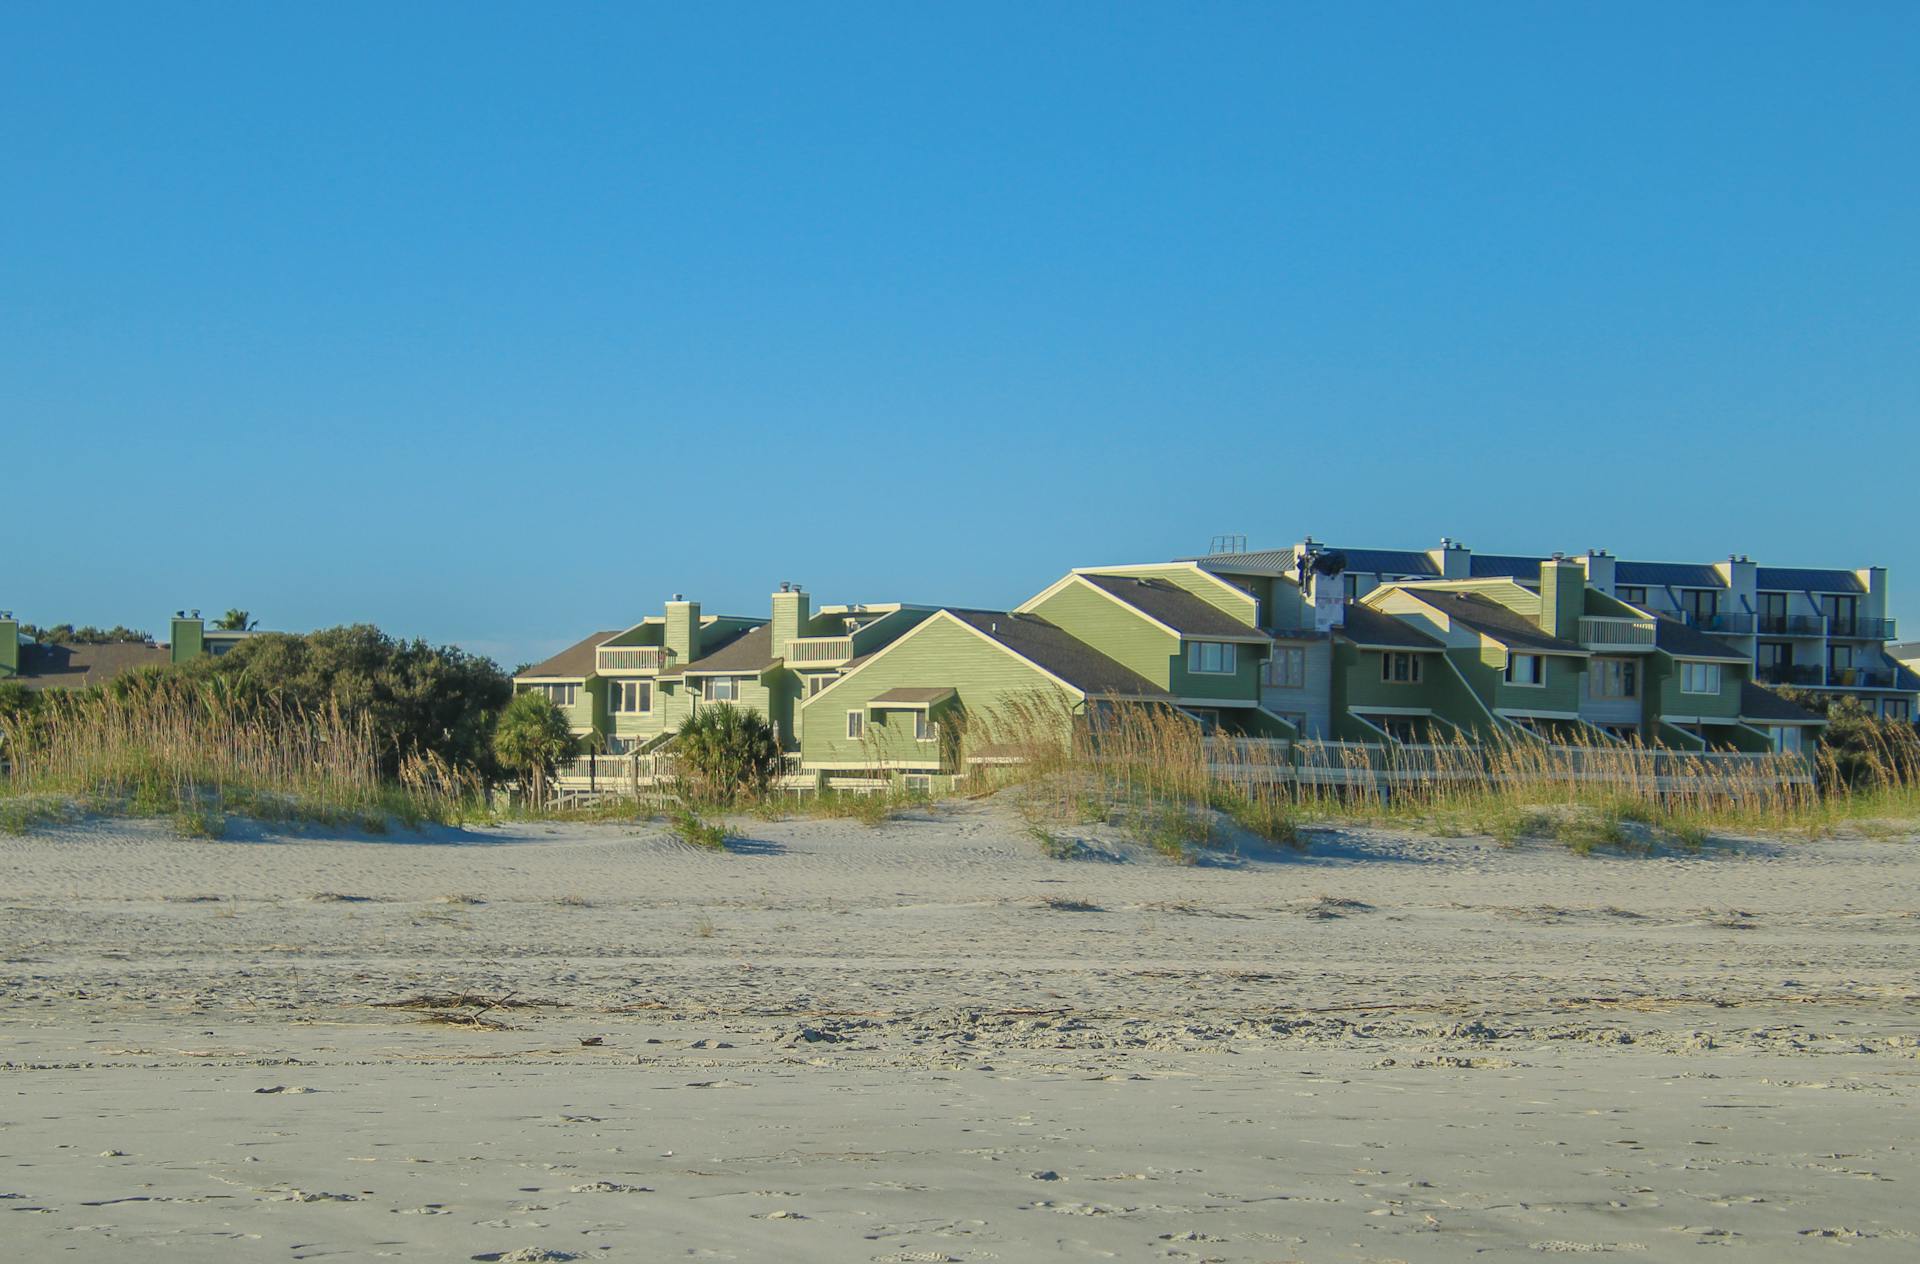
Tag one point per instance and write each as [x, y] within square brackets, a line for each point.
[679, 597]
[196, 614]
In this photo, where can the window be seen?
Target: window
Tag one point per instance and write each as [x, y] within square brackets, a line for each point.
[1786, 739]
[1699, 678]
[1526, 669]
[1773, 612]
[856, 725]
[720, 688]
[816, 683]
[1840, 658]
[630, 697]
[1286, 668]
[1773, 653]
[1699, 604]
[1400, 669]
[918, 783]
[1842, 614]
[1209, 721]
[1352, 585]
[558, 695]
[1212, 658]
[1632, 596]
[1614, 678]
[924, 729]
[1899, 708]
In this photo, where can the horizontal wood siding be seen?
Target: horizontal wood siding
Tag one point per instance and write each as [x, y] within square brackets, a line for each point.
[939, 655]
[1120, 633]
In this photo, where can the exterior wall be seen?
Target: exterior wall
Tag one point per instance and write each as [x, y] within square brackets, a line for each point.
[9, 648]
[1560, 692]
[1243, 685]
[1614, 711]
[1357, 687]
[1562, 599]
[1314, 700]
[943, 653]
[1121, 634]
[1663, 688]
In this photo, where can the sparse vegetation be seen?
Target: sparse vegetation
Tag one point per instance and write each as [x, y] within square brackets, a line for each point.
[687, 826]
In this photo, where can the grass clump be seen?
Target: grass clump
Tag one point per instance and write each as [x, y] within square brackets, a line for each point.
[687, 826]
[1053, 846]
[199, 821]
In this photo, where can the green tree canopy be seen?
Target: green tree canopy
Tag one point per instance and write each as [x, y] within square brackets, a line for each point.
[235, 620]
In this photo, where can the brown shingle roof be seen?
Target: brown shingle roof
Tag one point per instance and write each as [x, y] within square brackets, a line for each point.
[1490, 618]
[1366, 626]
[1058, 652]
[1758, 703]
[1172, 605]
[743, 653]
[576, 662]
[77, 666]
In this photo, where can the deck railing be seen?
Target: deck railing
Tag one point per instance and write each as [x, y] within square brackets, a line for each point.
[1730, 622]
[1793, 625]
[641, 659]
[1790, 674]
[1611, 631]
[820, 649]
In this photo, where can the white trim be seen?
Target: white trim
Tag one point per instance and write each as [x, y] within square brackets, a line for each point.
[868, 765]
[1528, 713]
[1700, 719]
[1540, 661]
[1408, 711]
[1231, 703]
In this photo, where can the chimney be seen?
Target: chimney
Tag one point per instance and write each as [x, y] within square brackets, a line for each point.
[9, 645]
[1599, 567]
[683, 629]
[790, 613]
[1452, 559]
[1563, 597]
[1741, 577]
[189, 637]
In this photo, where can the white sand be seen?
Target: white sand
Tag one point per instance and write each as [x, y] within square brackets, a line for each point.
[843, 1044]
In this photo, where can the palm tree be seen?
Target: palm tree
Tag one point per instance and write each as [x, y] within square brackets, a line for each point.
[236, 620]
[531, 740]
[724, 751]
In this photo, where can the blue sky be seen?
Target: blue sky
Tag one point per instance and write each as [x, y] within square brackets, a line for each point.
[500, 324]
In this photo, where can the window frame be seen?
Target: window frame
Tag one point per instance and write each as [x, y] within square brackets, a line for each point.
[1295, 657]
[1387, 660]
[1227, 657]
[1539, 673]
[1708, 671]
[857, 725]
[1621, 669]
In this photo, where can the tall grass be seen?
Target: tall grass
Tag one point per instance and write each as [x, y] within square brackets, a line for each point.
[196, 749]
[1151, 764]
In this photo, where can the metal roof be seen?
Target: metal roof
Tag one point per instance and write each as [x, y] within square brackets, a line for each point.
[1667, 574]
[1802, 579]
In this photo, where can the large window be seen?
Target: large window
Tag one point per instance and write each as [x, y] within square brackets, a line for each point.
[720, 688]
[630, 697]
[1773, 612]
[1633, 596]
[1700, 604]
[1400, 669]
[818, 682]
[1842, 614]
[558, 695]
[1898, 709]
[1773, 653]
[1286, 668]
[1212, 658]
[1613, 678]
[1699, 678]
[1526, 669]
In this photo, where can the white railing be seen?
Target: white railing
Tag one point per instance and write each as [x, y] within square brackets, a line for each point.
[1609, 630]
[645, 659]
[820, 649]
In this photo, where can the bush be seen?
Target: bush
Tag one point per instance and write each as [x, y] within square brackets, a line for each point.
[691, 830]
[724, 751]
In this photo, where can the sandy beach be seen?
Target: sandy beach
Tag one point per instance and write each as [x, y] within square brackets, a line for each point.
[926, 1041]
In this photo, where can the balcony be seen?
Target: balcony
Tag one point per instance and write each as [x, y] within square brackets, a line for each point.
[1788, 674]
[1726, 622]
[1860, 678]
[650, 659]
[1863, 629]
[819, 651]
[1793, 625]
[1607, 632]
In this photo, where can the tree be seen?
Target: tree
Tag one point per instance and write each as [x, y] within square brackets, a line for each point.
[236, 621]
[419, 697]
[531, 740]
[724, 751]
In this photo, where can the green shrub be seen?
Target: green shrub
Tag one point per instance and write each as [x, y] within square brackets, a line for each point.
[687, 826]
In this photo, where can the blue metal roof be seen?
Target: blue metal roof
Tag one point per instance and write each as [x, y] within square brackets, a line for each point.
[1661, 574]
[1494, 566]
[1802, 579]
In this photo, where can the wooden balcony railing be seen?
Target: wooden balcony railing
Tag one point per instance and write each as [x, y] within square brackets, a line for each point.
[820, 650]
[1600, 631]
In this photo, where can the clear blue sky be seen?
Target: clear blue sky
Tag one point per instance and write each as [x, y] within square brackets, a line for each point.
[499, 324]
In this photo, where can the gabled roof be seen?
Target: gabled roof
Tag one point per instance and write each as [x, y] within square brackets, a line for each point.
[746, 652]
[1171, 605]
[1684, 641]
[1667, 574]
[1369, 627]
[576, 662]
[77, 666]
[1762, 704]
[1801, 579]
[1904, 649]
[1491, 619]
[1053, 649]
